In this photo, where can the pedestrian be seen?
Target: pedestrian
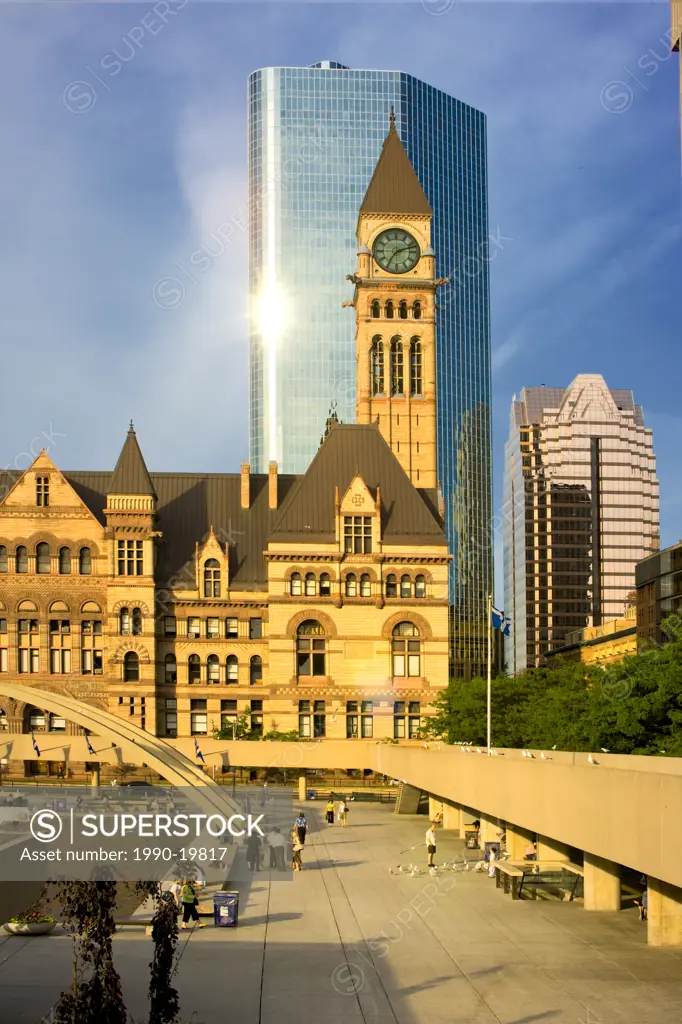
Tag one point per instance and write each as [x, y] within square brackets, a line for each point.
[276, 844]
[343, 813]
[430, 839]
[301, 826]
[175, 891]
[492, 857]
[330, 811]
[188, 898]
[296, 851]
[253, 852]
[531, 852]
[264, 795]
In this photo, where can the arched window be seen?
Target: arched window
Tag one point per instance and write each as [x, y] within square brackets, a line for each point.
[397, 371]
[376, 309]
[137, 622]
[365, 585]
[124, 621]
[22, 559]
[405, 586]
[406, 650]
[310, 649]
[402, 310]
[325, 585]
[43, 559]
[211, 577]
[193, 668]
[231, 669]
[56, 723]
[417, 310]
[310, 584]
[389, 310]
[36, 719]
[295, 585]
[391, 586]
[131, 667]
[377, 368]
[84, 562]
[416, 367]
[3, 720]
[213, 669]
[351, 585]
[64, 561]
[171, 669]
[255, 670]
[4, 560]
[420, 586]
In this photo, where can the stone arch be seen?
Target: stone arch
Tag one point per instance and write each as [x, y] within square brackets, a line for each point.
[86, 542]
[115, 609]
[407, 615]
[59, 606]
[130, 645]
[27, 605]
[91, 608]
[311, 613]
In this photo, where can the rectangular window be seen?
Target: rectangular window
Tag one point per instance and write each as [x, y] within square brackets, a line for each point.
[367, 722]
[42, 491]
[399, 727]
[170, 626]
[34, 660]
[231, 627]
[3, 659]
[319, 719]
[130, 562]
[255, 629]
[352, 719]
[193, 627]
[171, 724]
[171, 704]
[228, 705]
[91, 652]
[304, 719]
[357, 535]
[213, 629]
[3, 625]
[413, 728]
[199, 723]
[198, 704]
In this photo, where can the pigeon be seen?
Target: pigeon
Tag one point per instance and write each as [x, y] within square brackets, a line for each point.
[544, 756]
[554, 747]
[592, 760]
[478, 750]
[661, 751]
[604, 750]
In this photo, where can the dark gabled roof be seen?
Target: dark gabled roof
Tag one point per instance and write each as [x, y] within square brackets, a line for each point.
[408, 515]
[394, 187]
[130, 475]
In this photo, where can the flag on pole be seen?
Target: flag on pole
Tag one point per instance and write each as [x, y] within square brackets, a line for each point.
[197, 752]
[500, 621]
[35, 745]
[91, 749]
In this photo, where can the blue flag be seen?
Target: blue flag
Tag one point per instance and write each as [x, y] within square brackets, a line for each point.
[35, 745]
[91, 749]
[500, 621]
[197, 752]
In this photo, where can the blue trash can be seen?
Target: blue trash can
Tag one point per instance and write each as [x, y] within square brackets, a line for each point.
[312, 794]
[226, 909]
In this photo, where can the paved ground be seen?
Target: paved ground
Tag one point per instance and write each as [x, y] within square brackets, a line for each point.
[346, 940]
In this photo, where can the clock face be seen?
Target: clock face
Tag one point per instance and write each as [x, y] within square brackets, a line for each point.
[396, 251]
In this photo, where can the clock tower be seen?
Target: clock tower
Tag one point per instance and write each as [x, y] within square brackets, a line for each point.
[394, 301]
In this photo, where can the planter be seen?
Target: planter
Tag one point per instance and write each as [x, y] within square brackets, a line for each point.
[37, 928]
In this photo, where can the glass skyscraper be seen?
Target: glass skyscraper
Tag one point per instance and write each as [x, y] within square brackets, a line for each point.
[315, 135]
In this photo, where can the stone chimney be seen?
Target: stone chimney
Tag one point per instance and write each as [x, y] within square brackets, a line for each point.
[272, 485]
[246, 485]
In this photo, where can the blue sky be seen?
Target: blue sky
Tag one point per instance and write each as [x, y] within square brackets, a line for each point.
[106, 183]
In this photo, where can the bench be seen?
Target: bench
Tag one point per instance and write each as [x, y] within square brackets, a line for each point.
[509, 877]
[549, 875]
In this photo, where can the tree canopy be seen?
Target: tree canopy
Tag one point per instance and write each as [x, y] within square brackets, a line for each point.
[630, 707]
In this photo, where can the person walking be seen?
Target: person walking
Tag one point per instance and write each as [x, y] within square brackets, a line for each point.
[330, 811]
[343, 813]
[296, 851]
[253, 852]
[430, 840]
[276, 843]
[301, 827]
[531, 852]
[188, 898]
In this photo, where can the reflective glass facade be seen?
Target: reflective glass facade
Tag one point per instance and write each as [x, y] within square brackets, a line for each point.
[315, 135]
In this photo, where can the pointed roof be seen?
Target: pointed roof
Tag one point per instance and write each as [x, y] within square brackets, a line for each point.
[130, 475]
[394, 187]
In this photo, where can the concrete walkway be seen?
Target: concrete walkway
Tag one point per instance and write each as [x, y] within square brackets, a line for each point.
[347, 940]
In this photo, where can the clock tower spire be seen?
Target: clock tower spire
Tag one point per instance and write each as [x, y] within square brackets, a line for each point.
[394, 300]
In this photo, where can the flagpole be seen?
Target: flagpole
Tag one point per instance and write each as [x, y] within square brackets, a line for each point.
[490, 665]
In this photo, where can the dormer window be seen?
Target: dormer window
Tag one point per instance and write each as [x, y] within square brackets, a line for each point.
[357, 535]
[211, 577]
[42, 491]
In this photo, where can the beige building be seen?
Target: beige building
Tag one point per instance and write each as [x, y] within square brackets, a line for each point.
[580, 510]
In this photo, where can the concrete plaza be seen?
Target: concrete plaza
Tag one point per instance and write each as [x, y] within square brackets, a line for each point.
[348, 940]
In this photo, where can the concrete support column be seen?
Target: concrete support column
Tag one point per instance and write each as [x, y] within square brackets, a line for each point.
[664, 914]
[435, 807]
[551, 849]
[450, 816]
[94, 782]
[302, 780]
[602, 883]
[489, 830]
[517, 841]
